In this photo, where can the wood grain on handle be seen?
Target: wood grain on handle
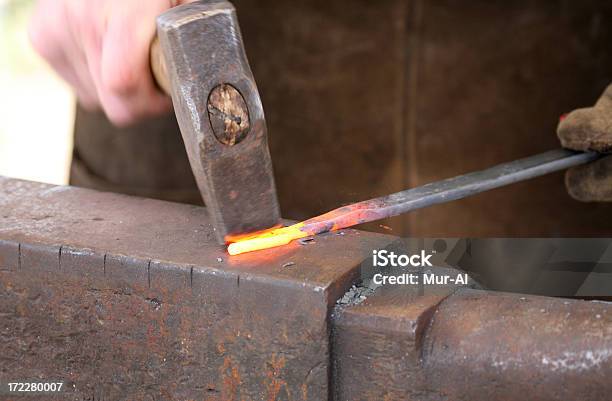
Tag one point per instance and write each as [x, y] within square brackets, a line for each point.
[158, 66]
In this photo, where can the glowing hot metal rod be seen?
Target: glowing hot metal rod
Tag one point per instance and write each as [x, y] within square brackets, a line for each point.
[401, 202]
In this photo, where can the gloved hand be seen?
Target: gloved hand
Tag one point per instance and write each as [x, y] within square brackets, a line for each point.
[590, 129]
[101, 48]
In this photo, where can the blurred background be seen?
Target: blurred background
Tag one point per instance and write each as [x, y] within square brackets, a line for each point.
[37, 106]
[362, 98]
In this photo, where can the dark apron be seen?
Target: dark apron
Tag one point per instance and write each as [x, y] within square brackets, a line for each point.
[146, 160]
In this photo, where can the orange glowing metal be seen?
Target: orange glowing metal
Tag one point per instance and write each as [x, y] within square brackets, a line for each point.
[343, 217]
[239, 237]
[268, 239]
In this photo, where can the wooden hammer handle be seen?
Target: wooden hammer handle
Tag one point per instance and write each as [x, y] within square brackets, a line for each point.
[158, 67]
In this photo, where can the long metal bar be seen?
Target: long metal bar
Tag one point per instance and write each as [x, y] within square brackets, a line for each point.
[448, 190]
[427, 195]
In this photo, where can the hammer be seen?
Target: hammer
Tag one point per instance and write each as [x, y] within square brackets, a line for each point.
[198, 58]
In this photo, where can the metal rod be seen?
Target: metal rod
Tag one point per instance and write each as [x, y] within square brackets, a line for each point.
[448, 190]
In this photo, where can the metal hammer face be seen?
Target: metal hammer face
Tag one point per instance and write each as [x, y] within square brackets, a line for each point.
[220, 115]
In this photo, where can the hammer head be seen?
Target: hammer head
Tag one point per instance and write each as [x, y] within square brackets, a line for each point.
[220, 115]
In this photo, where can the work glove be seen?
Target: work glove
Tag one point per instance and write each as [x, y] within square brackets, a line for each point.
[590, 129]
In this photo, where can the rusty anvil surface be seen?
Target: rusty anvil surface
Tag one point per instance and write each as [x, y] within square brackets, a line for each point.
[131, 298]
[458, 343]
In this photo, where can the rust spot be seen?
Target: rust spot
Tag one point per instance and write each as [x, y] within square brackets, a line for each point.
[273, 383]
[221, 348]
[231, 379]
